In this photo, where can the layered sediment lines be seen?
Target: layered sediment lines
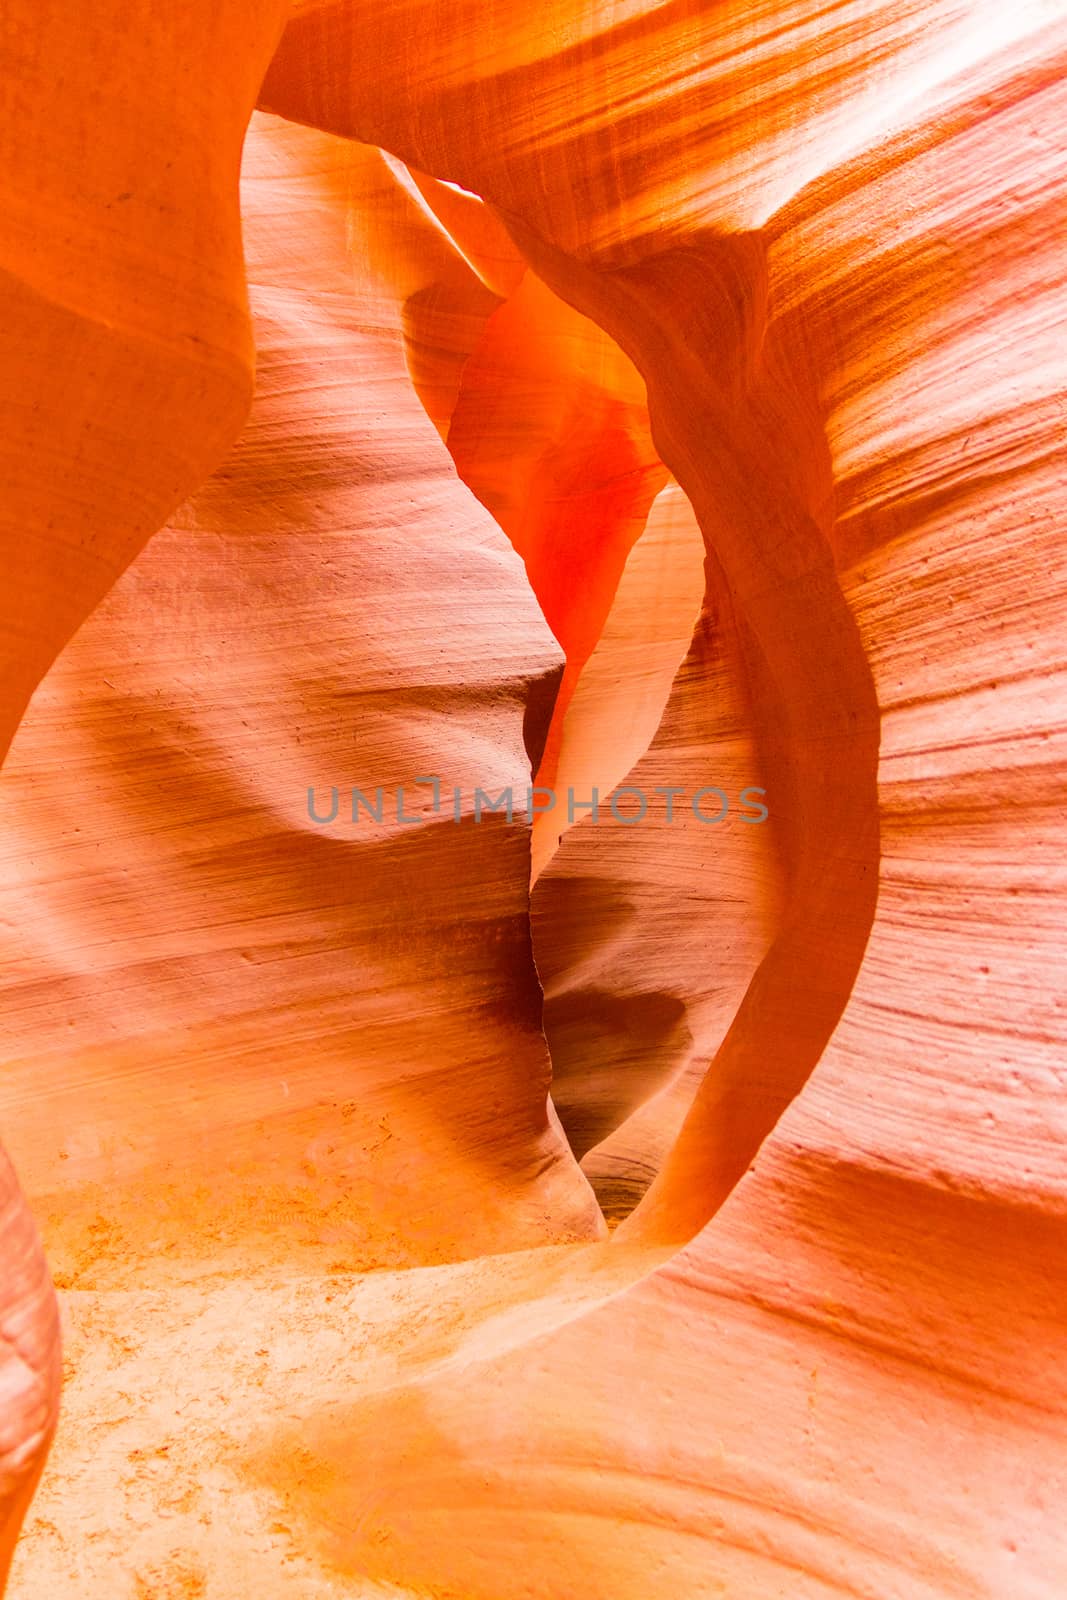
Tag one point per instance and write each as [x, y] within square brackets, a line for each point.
[273, 1032]
[635, 1004]
[828, 313]
[125, 374]
[813, 1068]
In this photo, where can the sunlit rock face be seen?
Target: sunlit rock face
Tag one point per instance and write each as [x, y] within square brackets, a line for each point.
[446, 1203]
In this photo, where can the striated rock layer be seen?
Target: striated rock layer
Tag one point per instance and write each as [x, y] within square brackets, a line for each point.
[346, 1051]
[792, 278]
[125, 374]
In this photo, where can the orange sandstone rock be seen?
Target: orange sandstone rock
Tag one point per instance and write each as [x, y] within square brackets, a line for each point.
[399, 1111]
[125, 373]
[813, 1069]
[818, 247]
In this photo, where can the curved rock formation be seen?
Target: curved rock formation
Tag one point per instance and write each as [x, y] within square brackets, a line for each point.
[383, 945]
[126, 373]
[636, 1003]
[546, 290]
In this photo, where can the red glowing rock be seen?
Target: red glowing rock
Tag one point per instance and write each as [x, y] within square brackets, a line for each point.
[537, 295]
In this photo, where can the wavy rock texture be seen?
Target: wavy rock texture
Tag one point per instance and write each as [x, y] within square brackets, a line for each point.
[397, 952]
[130, 277]
[125, 375]
[551, 431]
[795, 274]
[635, 1003]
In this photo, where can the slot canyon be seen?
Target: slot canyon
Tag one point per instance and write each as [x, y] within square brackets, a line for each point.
[533, 817]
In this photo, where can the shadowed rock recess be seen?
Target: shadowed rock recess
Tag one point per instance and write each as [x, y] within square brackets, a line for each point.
[653, 1189]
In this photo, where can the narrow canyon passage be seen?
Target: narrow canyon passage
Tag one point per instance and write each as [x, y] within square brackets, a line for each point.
[640, 987]
[435, 1203]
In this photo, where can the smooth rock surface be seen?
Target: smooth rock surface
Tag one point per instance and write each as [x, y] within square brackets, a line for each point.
[813, 1068]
